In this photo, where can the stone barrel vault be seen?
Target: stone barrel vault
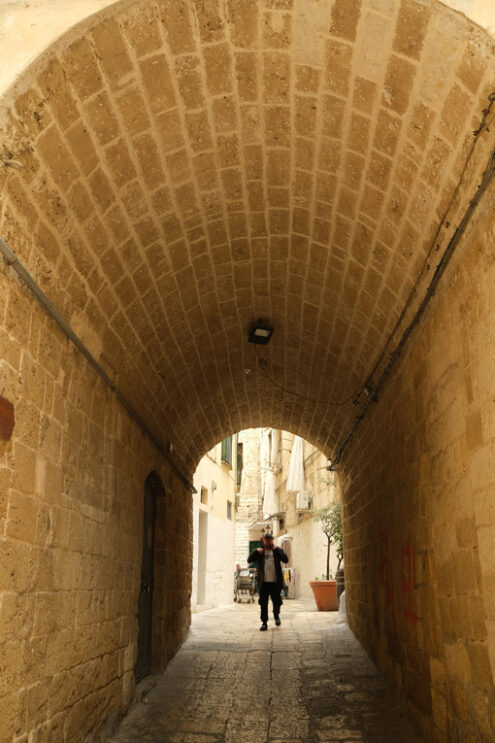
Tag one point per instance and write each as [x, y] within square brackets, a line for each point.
[171, 171]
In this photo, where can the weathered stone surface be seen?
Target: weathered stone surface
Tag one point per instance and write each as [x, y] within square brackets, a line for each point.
[230, 682]
[188, 167]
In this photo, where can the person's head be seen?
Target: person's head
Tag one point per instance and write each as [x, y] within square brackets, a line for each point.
[238, 568]
[268, 541]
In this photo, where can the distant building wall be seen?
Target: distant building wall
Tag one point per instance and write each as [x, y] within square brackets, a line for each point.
[308, 544]
[249, 496]
[213, 529]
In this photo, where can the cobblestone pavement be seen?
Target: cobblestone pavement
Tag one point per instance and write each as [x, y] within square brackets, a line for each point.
[304, 682]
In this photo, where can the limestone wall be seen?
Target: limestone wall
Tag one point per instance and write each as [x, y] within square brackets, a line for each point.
[308, 546]
[213, 561]
[71, 513]
[170, 172]
[419, 508]
[250, 496]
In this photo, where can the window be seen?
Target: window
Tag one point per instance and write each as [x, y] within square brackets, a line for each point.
[204, 495]
[239, 464]
[229, 510]
[226, 455]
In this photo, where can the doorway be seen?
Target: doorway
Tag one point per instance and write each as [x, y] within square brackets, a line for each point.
[145, 601]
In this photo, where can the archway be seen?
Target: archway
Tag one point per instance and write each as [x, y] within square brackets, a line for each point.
[175, 171]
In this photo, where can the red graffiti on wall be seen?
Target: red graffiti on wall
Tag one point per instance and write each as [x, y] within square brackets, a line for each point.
[407, 574]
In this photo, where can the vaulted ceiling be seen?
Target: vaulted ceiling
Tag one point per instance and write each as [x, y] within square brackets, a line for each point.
[190, 166]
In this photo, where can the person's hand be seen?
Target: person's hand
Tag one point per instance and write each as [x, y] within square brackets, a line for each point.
[260, 550]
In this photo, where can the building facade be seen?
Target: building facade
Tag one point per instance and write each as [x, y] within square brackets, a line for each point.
[285, 481]
[302, 484]
[214, 514]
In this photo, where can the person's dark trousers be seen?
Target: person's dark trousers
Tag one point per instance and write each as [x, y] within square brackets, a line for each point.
[269, 589]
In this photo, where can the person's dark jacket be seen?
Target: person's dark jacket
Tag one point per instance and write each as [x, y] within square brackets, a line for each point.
[259, 558]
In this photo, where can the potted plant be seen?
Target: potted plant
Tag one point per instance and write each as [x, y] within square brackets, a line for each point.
[325, 589]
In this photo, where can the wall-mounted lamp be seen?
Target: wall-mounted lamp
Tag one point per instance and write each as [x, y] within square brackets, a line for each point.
[260, 334]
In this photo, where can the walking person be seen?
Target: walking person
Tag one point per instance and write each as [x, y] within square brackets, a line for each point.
[270, 578]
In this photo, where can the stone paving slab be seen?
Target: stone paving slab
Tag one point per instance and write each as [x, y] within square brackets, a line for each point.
[308, 681]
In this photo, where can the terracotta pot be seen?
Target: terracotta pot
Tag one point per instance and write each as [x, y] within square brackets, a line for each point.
[325, 593]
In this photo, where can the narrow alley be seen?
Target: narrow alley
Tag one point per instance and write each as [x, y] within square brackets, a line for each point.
[305, 682]
[218, 216]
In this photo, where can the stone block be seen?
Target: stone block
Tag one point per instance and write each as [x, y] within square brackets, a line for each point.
[306, 113]
[379, 169]
[52, 83]
[228, 150]
[189, 80]
[21, 203]
[246, 76]
[218, 66]
[276, 77]
[338, 67]
[13, 717]
[345, 17]
[411, 28]
[277, 126]
[398, 84]
[474, 430]
[211, 25]
[179, 166]
[364, 95]
[243, 20]
[22, 517]
[155, 74]
[224, 113]
[170, 130]
[82, 68]
[177, 24]
[25, 467]
[132, 108]
[457, 662]
[482, 674]
[451, 126]
[472, 67]
[82, 146]
[102, 118]
[198, 130]
[112, 52]
[16, 566]
[278, 167]
[277, 30]
[142, 31]
[33, 112]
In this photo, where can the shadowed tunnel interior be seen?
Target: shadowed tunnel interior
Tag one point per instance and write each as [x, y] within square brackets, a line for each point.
[176, 170]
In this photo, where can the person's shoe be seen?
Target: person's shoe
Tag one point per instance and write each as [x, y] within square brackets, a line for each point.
[264, 627]
[277, 621]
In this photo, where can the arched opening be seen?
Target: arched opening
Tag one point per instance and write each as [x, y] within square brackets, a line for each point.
[279, 484]
[171, 173]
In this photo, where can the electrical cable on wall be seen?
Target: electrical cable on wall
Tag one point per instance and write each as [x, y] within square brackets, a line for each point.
[262, 364]
[484, 125]
[487, 178]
